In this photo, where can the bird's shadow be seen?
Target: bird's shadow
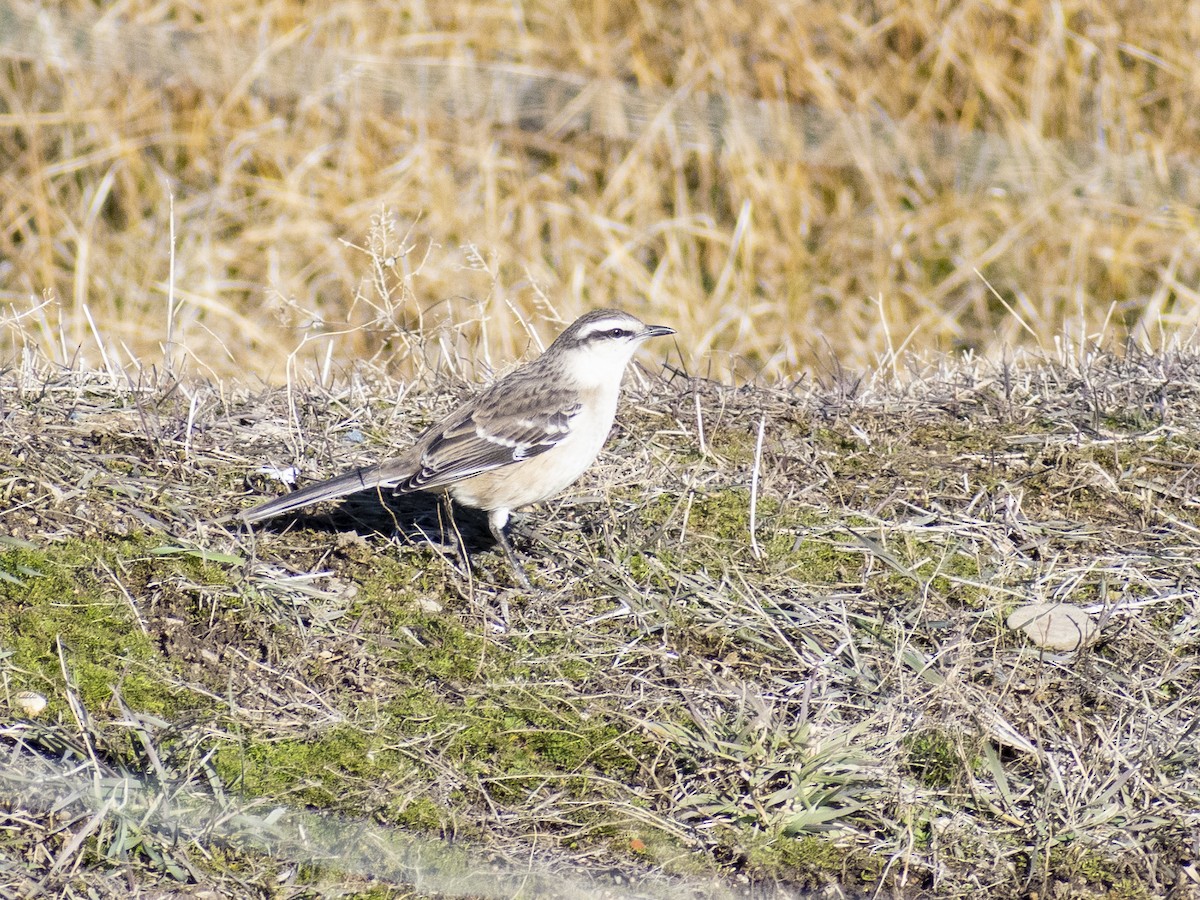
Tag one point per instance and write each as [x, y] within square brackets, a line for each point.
[416, 518]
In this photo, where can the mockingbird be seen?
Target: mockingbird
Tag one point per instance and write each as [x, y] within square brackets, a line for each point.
[522, 440]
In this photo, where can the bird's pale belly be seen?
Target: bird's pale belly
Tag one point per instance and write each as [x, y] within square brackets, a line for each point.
[537, 478]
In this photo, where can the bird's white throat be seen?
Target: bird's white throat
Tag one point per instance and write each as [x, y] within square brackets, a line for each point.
[598, 366]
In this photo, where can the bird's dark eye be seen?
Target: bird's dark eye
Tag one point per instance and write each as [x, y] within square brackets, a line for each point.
[617, 333]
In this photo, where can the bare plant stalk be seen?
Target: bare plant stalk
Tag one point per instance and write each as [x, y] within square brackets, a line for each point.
[762, 427]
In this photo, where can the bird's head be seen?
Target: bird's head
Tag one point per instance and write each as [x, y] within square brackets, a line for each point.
[598, 345]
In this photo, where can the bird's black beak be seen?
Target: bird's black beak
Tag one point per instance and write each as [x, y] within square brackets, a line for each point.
[657, 331]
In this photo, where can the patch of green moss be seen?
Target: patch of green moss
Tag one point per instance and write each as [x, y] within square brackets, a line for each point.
[810, 860]
[816, 561]
[659, 848]
[733, 445]
[721, 519]
[846, 443]
[1129, 889]
[949, 573]
[380, 892]
[418, 813]
[313, 770]
[937, 759]
[62, 604]
[1131, 419]
[1074, 863]
[908, 564]
[503, 709]
[512, 733]
[447, 651]
[507, 738]
[560, 737]
[723, 514]
[259, 874]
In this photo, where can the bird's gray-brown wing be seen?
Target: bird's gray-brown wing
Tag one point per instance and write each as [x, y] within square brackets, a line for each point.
[511, 422]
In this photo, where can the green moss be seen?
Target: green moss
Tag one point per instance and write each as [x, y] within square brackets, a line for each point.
[733, 445]
[507, 738]
[817, 560]
[511, 733]
[447, 650]
[62, 606]
[1129, 889]
[720, 521]
[943, 570]
[1073, 862]
[937, 759]
[313, 770]
[810, 860]
[721, 514]
[419, 813]
[504, 711]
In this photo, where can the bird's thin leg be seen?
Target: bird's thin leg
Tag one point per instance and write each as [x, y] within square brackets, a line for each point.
[460, 542]
[497, 519]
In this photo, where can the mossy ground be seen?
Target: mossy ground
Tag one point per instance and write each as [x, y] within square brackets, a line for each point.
[791, 666]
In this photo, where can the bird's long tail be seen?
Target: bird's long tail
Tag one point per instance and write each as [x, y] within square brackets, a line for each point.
[350, 483]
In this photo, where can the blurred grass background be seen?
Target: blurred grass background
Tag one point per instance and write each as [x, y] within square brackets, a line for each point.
[793, 186]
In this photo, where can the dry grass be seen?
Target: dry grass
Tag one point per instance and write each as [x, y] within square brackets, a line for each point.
[916, 157]
[767, 643]
[843, 706]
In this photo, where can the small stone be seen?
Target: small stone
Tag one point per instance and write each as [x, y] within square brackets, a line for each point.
[1054, 626]
[347, 540]
[30, 703]
[428, 605]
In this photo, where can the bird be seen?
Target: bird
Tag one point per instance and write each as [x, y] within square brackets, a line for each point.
[524, 439]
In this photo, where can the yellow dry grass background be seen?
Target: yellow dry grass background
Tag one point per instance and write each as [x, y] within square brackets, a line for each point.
[768, 259]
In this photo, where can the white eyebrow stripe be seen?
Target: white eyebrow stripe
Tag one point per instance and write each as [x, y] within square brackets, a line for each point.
[594, 328]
